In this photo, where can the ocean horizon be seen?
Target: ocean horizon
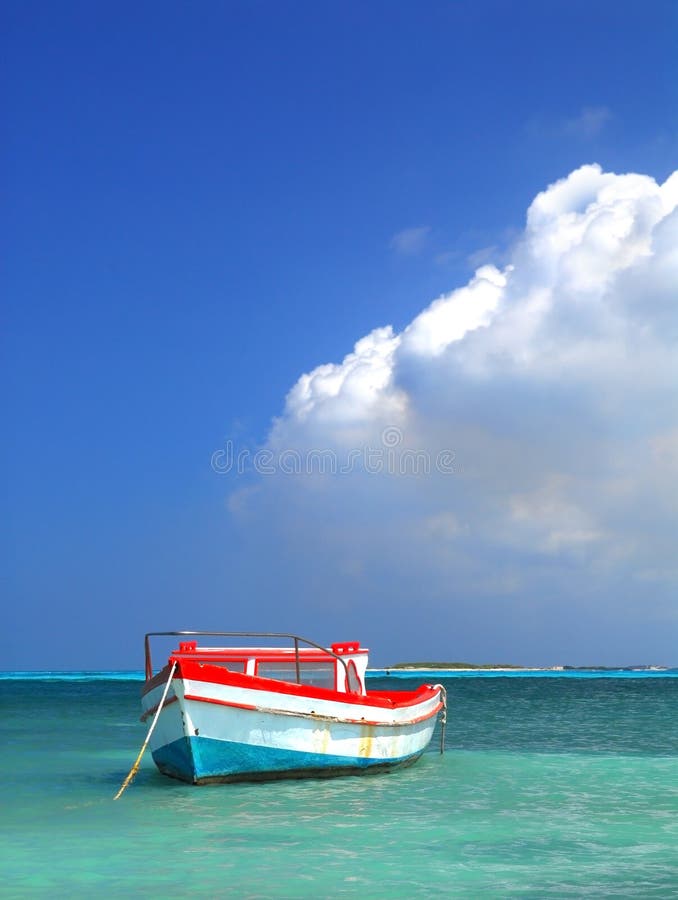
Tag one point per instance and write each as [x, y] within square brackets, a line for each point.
[408, 672]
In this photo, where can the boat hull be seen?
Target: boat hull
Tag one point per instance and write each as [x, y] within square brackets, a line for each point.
[211, 732]
[199, 760]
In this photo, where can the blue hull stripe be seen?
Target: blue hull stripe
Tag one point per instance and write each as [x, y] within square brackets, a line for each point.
[202, 760]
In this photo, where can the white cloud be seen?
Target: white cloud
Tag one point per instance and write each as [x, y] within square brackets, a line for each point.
[554, 521]
[345, 398]
[454, 315]
[554, 381]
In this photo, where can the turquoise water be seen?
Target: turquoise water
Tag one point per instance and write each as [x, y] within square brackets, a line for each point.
[550, 787]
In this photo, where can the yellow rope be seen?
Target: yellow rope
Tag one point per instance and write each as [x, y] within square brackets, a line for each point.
[135, 768]
[443, 717]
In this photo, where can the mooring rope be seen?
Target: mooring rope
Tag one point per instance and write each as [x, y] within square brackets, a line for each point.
[443, 716]
[135, 768]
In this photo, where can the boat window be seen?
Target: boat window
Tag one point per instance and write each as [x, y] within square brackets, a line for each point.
[353, 686]
[317, 674]
[233, 665]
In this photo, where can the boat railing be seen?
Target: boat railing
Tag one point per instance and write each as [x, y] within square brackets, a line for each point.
[296, 638]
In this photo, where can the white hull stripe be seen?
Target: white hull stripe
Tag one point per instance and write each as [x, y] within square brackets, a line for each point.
[310, 715]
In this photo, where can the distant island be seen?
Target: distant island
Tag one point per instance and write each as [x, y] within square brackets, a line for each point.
[499, 666]
[453, 665]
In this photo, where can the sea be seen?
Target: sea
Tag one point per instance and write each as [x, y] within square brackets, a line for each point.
[559, 784]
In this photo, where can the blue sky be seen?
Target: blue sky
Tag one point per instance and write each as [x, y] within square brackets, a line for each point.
[205, 203]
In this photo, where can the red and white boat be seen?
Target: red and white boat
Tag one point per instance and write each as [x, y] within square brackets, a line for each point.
[256, 713]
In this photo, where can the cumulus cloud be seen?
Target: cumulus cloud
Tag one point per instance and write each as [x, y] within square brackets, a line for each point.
[553, 383]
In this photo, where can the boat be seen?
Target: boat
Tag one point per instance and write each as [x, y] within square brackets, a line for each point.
[242, 713]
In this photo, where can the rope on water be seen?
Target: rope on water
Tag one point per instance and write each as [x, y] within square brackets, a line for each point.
[135, 768]
[443, 715]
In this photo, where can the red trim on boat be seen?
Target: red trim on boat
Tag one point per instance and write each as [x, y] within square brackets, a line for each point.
[209, 674]
[280, 654]
[312, 715]
[248, 706]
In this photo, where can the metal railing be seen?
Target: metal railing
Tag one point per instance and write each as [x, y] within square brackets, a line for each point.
[244, 634]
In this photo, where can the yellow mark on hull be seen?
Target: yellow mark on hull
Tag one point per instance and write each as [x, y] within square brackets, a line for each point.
[366, 741]
[321, 740]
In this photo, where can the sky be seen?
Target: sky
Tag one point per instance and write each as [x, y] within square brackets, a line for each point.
[356, 320]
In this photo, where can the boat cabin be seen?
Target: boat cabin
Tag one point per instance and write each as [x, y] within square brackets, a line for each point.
[341, 667]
